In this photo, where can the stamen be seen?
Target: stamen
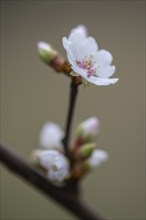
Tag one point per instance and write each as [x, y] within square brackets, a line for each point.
[88, 65]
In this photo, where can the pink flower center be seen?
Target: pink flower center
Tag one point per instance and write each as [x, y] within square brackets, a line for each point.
[88, 65]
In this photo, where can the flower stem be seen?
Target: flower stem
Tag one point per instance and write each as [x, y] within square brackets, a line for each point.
[73, 95]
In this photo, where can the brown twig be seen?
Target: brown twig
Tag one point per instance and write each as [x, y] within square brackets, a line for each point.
[68, 199]
[72, 100]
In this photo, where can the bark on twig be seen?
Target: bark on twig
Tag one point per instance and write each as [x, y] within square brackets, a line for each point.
[72, 100]
[68, 199]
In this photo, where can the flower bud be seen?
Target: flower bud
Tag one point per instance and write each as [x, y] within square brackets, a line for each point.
[85, 150]
[96, 158]
[55, 163]
[88, 129]
[46, 52]
[51, 136]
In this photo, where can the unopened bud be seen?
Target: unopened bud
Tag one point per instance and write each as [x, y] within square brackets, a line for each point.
[56, 164]
[51, 136]
[86, 150]
[46, 52]
[88, 129]
[96, 158]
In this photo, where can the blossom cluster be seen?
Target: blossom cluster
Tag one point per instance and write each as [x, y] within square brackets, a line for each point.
[90, 65]
[50, 157]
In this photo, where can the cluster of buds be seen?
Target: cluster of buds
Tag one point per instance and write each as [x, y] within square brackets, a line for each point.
[83, 156]
[87, 64]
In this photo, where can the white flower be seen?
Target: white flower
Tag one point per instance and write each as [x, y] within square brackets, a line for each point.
[97, 157]
[86, 60]
[51, 136]
[88, 129]
[55, 163]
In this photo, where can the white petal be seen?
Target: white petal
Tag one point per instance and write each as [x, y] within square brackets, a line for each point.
[93, 79]
[58, 169]
[61, 162]
[80, 29]
[58, 176]
[66, 43]
[85, 48]
[76, 37]
[78, 33]
[51, 136]
[103, 57]
[97, 157]
[105, 82]
[89, 46]
[105, 71]
[47, 157]
[67, 46]
[61, 174]
[70, 57]
[79, 45]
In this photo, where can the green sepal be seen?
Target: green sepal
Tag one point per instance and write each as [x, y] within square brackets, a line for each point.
[86, 150]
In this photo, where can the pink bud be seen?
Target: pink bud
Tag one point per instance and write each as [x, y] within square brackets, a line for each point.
[88, 129]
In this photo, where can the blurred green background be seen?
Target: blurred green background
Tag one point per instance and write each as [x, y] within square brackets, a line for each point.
[31, 93]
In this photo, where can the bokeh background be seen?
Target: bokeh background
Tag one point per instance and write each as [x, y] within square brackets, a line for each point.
[32, 93]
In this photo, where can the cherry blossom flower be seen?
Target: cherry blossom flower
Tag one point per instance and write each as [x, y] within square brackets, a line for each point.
[51, 136]
[55, 163]
[93, 65]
